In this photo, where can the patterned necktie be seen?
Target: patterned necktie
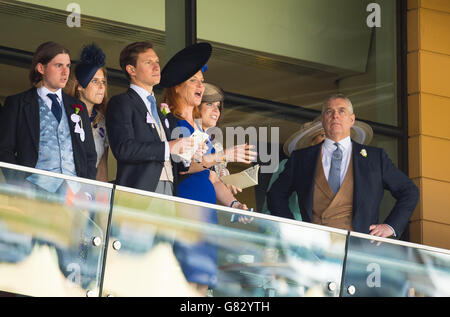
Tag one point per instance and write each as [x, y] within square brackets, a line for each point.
[56, 107]
[335, 169]
[155, 116]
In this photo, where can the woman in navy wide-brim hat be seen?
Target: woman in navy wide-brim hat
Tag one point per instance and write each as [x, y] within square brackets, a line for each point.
[182, 78]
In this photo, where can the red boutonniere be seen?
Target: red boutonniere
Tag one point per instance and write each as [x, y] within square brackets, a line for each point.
[78, 108]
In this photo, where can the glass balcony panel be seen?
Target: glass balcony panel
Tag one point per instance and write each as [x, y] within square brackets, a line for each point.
[51, 243]
[391, 268]
[168, 246]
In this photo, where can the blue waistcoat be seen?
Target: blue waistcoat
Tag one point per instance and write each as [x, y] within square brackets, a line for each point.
[55, 149]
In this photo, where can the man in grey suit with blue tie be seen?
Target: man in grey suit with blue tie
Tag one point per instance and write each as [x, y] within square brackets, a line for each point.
[340, 183]
[42, 127]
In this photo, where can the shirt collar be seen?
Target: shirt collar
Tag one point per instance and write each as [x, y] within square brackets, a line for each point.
[344, 143]
[141, 92]
[43, 91]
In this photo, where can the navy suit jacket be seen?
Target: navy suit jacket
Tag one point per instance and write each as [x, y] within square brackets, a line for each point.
[372, 174]
[135, 143]
[19, 139]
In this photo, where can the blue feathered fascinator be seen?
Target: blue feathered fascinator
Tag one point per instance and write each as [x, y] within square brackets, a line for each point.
[92, 58]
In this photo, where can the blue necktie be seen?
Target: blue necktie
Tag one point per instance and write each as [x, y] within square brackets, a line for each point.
[56, 107]
[334, 178]
[155, 116]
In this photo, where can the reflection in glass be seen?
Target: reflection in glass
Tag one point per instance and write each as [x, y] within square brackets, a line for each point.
[51, 244]
[264, 258]
[281, 259]
[389, 269]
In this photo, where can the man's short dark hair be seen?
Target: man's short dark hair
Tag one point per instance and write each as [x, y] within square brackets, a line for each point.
[130, 53]
[44, 54]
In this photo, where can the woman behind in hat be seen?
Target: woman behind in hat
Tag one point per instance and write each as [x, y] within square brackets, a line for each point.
[210, 111]
[88, 84]
[182, 78]
[309, 134]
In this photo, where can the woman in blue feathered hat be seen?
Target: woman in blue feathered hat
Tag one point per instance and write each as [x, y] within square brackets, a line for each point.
[88, 83]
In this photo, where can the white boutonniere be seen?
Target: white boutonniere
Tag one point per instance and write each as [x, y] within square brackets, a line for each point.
[75, 117]
[363, 152]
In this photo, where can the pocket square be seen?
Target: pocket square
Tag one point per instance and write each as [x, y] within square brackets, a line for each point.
[149, 118]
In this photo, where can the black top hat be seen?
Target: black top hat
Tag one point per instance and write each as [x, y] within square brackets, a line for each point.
[92, 58]
[184, 64]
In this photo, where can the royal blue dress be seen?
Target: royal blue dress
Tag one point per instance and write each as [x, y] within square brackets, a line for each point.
[198, 260]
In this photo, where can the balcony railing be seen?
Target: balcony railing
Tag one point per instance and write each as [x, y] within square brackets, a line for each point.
[97, 239]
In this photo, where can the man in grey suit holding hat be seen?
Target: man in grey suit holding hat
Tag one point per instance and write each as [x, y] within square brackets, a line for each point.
[340, 183]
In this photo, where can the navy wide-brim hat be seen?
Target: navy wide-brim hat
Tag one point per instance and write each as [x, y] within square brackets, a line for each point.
[92, 58]
[184, 64]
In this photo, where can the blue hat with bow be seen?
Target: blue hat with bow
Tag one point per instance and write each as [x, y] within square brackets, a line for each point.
[92, 58]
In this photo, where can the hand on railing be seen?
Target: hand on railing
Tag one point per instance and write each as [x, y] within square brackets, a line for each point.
[242, 218]
[381, 230]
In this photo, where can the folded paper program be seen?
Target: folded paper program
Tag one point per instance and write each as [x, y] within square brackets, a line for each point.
[244, 179]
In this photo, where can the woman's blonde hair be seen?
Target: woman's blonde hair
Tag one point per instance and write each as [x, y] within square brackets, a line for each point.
[72, 90]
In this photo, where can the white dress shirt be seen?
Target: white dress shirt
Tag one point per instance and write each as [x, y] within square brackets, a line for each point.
[144, 94]
[43, 91]
[328, 148]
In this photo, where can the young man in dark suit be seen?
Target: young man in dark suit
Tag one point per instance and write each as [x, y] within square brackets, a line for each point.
[42, 127]
[340, 183]
[138, 132]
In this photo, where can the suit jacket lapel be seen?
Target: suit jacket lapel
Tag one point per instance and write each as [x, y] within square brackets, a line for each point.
[163, 120]
[308, 176]
[321, 180]
[142, 108]
[31, 110]
[138, 103]
[360, 173]
[76, 141]
[68, 107]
